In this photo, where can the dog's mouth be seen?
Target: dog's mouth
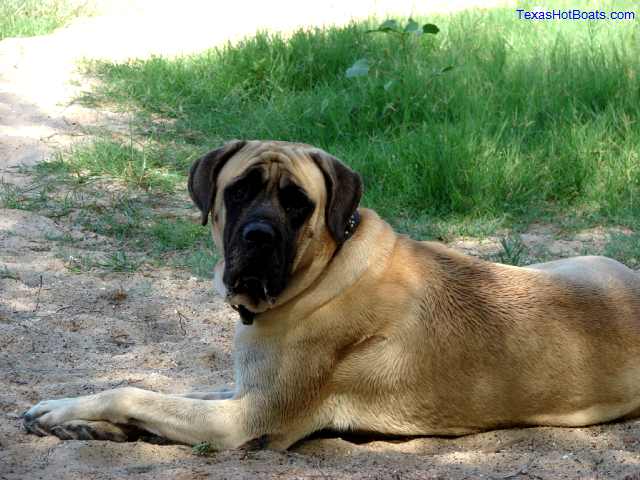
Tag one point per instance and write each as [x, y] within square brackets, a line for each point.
[255, 288]
[249, 296]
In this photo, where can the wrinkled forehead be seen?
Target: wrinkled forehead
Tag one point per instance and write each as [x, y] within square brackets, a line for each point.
[281, 161]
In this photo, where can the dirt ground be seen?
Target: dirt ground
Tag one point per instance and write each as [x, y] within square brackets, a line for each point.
[66, 334]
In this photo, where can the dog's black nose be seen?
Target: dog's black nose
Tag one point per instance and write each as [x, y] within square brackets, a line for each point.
[258, 233]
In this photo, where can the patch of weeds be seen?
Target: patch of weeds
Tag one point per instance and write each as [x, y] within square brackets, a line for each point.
[446, 229]
[77, 263]
[182, 244]
[8, 274]
[513, 252]
[624, 248]
[55, 167]
[422, 228]
[200, 262]
[119, 261]
[61, 207]
[9, 196]
[122, 218]
[31, 197]
[135, 164]
[43, 196]
[177, 234]
[135, 221]
[202, 449]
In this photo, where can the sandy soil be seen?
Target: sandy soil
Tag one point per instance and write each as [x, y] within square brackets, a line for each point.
[65, 334]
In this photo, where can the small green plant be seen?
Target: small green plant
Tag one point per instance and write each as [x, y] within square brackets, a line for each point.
[9, 195]
[202, 449]
[119, 261]
[29, 197]
[390, 70]
[408, 36]
[513, 251]
[77, 263]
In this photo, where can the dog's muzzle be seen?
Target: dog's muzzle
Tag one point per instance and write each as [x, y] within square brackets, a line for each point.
[253, 264]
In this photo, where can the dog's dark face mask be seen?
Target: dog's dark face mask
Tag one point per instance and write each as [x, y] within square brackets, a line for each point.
[263, 219]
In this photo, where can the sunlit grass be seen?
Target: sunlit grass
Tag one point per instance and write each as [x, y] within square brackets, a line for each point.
[26, 18]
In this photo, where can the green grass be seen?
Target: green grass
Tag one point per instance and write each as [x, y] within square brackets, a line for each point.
[139, 227]
[490, 125]
[513, 251]
[26, 18]
[151, 237]
[202, 449]
[533, 116]
[135, 164]
[625, 248]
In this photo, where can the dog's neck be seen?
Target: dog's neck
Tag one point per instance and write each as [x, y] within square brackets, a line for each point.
[371, 252]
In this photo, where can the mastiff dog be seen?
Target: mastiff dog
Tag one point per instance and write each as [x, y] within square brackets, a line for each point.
[345, 325]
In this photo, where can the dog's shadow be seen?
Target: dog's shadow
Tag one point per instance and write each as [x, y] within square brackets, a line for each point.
[135, 434]
[357, 438]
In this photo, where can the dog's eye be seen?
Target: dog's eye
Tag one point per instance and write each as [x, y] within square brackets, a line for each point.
[292, 198]
[296, 204]
[238, 193]
[243, 189]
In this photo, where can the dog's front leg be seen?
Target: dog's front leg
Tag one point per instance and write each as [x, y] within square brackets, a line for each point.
[186, 420]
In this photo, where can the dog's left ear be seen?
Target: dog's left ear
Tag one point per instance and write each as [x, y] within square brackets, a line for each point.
[203, 176]
[344, 190]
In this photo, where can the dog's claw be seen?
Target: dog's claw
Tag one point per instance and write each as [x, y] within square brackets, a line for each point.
[60, 432]
[32, 426]
[85, 430]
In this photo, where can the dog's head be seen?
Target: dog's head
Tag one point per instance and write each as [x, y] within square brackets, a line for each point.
[278, 211]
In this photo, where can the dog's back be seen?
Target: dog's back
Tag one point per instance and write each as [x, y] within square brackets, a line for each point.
[472, 345]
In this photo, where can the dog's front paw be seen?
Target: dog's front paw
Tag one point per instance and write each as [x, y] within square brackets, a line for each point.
[65, 418]
[52, 417]
[43, 417]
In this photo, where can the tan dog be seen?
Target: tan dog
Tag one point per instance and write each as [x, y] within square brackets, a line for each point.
[349, 326]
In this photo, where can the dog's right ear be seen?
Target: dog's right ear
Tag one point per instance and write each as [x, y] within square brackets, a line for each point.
[203, 176]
